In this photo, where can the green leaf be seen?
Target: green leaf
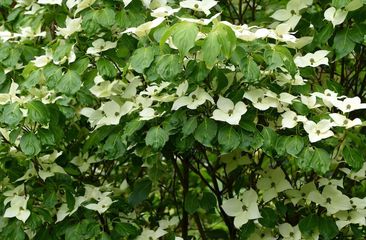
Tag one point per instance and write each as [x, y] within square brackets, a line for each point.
[61, 51]
[228, 138]
[191, 202]
[140, 192]
[343, 44]
[70, 83]
[208, 201]
[309, 224]
[250, 70]
[324, 34]
[321, 161]
[114, 146]
[168, 66]
[97, 136]
[156, 137]
[226, 38]
[210, 50]
[11, 114]
[80, 66]
[189, 126]
[53, 74]
[184, 36]
[328, 228]
[106, 68]
[206, 132]
[105, 17]
[270, 137]
[30, 144]
[38, 112]
[125, 229]
[353, 157]
[33, 79]
[269, 217]
[246, 230]
[294, 145]
[142, 59]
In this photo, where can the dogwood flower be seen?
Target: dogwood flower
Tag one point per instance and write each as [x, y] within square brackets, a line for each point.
[43, 60]
[113, 112]
[329, 97]
[331, 198]
[227, 112]
[234, 159]
[83, 162]
[349, 104]
[72, 26]
[201, 6]
[290, 119]
[346, 218]
[64, 210]
[101, 206]
[11, 96]
[18, 208]
[289, 232]
[357, 176]
[195, 99]
[148, 114]
[201, 21]
[144, 28]
[318, 131]
[99, 46]
[309, 101]
[272, 183]
[164, 11]
[51, 2]
[292, 12]
[243, 209]
[312, 59]
[83, 5]
[102, 88]
[260, 100]
[335, 16]
[298, 195]
[151, 234]
[342, 121]
[283, 79]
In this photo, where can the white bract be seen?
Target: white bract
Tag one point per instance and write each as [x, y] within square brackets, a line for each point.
[289, 232]
[290, 119]
[243, 209]
[72, 26]
[349, 104]
[99, 46]
[202, 6]
[195, 99]
[144, 28]
[318, 131]
[335, 16]
[228, 112]
[260, 100]
[51, 2]
[312, 59]
[272, 183]
[342, 121]
[151, 234]
[18, 208]
[101, 206]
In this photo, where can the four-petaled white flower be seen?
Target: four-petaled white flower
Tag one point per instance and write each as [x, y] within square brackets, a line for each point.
[289, 232]
[260, 100]
[51, 2]
[290, 119]
[243, 209]
[349, 104]
[100, 45]
[318, 131]
[202, 6]
[228, 112]
[151, 234]
[113, 112]
[335, 16]
[193, 100]
[101, 206]
[72, 26]
[164, 11]
[331, 198]
[144, 28]
[102, 88]
[18, 208]
[272, 183]
[312, 59]
[350, 217]
[342, 121]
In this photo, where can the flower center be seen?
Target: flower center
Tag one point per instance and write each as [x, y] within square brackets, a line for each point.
[318, 132]
[244, 208]
[328, 200]
[259, 100]
[194, 97]
[273, 184]
[293, 12]
[345, 122]
[116, 114]
[295, 119]
[348, 106]
[196, 6]
[312, 61]
[292, 234]
[230, 112]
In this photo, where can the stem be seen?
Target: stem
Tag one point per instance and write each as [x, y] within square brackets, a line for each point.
[199, 226]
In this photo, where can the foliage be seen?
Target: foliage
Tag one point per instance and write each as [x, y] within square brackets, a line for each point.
[182, 119]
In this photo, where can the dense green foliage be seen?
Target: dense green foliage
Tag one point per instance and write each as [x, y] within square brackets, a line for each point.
[129, 119]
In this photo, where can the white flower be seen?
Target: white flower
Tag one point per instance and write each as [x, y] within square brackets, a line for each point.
[64, 211]
[243, 209]
[151, 234]
[336, 16]
[283, 78]
[101, 206]
[309, 101]
[290, 119]
[167, 223]
[227, 112]
[342, 121]
[195, 99]
[100, 45]
[112, 112]
[72, 26]
[329, 97]
[148, 114]
[350, 217]
[93, 115]
[71, 3]
[349, 104]
[260, 100]
[333, 182]
[144, 28]
[302, 194]
[318, 131]
[357, 176]
[202, 6]
[83, 162]
[312, 59]
[41, 61]
[273, 183]
[52, 2]
[289, 232]
[83, 5]
[102, 88]
[11, 96]
[164, 11]
[331, 198]
[201, 21]
[18, 208]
